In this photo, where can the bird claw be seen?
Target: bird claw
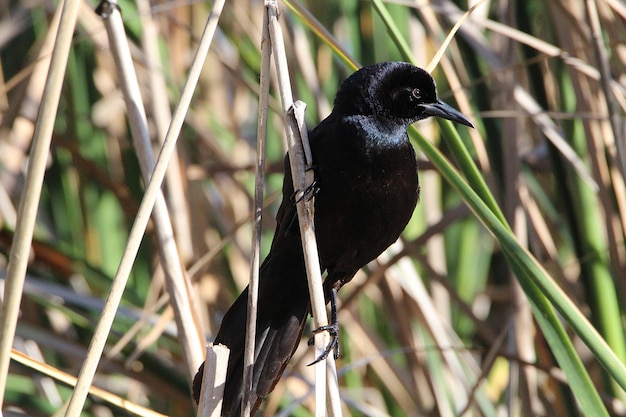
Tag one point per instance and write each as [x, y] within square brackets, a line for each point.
[332, 329]
[308, 193]
[333, 345]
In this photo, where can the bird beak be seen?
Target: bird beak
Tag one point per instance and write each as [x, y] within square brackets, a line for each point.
[441, 109]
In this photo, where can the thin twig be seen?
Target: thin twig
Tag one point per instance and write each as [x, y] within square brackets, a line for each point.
[29, 202]
[141, 220]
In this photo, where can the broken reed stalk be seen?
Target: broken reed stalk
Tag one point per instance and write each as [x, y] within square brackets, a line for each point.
[213, 381]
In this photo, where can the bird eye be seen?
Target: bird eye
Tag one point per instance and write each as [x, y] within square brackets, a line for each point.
[417, 93]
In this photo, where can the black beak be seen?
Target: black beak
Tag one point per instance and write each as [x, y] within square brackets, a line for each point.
[441, 109]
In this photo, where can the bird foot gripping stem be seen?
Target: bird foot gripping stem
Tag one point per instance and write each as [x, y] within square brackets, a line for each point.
[309, 192]
[332, 329]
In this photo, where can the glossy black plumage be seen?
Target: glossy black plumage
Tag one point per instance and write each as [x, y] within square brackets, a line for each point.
[367, 182]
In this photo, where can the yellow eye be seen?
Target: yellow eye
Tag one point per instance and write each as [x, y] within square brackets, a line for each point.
[417, 93]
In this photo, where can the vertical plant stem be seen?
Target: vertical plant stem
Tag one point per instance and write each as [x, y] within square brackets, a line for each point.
[29, 202]
[253, 289]
[301, 179]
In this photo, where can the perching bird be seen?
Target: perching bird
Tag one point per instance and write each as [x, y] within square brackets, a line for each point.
[366, 191]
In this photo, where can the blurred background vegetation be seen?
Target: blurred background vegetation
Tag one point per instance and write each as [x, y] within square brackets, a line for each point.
[438, 325]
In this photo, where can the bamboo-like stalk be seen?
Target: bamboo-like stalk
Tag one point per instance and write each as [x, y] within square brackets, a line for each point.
[302, 178]
[136, 234]
[29, 202]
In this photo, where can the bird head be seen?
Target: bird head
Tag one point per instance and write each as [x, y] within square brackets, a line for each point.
[397, 91]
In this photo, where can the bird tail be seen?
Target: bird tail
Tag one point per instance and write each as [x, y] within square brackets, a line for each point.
[282, 312]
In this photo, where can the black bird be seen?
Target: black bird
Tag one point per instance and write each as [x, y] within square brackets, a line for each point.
[367, 189]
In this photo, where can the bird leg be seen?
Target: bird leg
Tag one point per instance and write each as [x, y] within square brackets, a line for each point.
[332, 329]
